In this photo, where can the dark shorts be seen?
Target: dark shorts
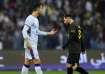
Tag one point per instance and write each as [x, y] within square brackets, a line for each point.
[73, 58]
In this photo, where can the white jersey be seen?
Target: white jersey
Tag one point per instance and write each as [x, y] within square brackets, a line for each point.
[32, 24]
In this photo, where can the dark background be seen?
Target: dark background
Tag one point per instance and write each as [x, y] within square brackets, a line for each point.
[90, 14]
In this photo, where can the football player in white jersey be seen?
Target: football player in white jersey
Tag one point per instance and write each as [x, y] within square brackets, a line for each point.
[31, 39]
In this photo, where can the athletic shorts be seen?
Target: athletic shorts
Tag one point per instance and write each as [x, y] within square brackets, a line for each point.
[34, 51]
[73, 58]
[28, 53]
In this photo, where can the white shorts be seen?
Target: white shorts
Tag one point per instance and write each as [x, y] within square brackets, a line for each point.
[28, 54]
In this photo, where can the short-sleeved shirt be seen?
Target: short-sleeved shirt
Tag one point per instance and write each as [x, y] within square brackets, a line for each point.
[74, 42]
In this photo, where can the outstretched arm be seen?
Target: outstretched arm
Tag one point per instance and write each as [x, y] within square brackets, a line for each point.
[52, 32]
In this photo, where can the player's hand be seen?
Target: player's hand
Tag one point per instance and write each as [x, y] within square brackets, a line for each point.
[74, 67]
[56, 27]
[83, 51]
[52, 32]
[28, 45]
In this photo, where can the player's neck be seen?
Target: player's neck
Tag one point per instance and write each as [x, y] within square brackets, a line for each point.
[34, 14]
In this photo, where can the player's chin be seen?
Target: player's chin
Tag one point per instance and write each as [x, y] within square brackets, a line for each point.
[65, 22]
[39, 14]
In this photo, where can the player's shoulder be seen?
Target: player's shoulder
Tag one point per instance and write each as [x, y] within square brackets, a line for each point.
[29, 17]
[77, 25]
[29, 20]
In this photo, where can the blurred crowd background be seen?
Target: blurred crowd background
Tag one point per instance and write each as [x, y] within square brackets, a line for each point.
[90, 14]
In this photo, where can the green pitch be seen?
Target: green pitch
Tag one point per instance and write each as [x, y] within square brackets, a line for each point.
[52, 72]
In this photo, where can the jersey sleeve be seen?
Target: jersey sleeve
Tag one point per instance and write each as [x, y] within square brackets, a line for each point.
[82, 38]
[28, 22]
[39, 32]
[25, 32]
[26, 28]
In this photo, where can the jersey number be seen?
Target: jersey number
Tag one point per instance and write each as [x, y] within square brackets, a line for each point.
[79, 34]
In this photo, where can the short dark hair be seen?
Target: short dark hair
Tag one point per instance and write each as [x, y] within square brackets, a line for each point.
[67, 15]
[34, 7]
